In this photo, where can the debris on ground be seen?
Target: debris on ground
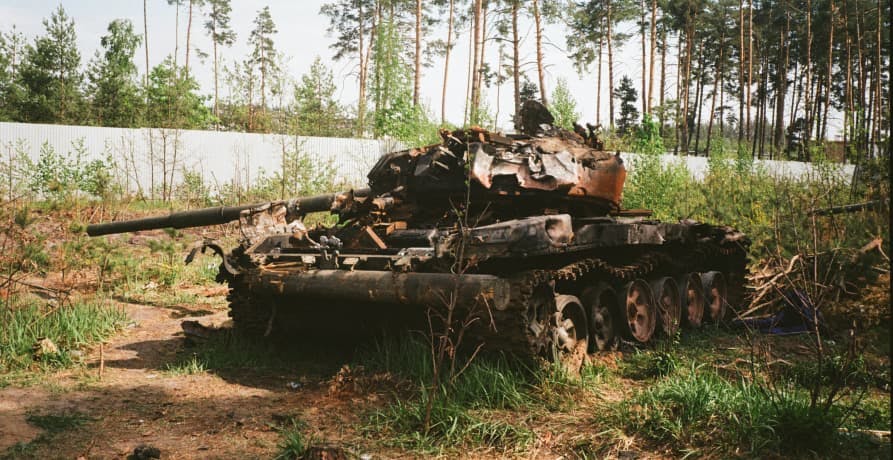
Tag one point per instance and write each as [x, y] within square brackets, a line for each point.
[325, 453]
[45, 347]
[197, 332]
[145, 452]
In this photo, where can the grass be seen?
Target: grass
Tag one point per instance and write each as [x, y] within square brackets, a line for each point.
[479, 407]
[69, 326]
[292, 443]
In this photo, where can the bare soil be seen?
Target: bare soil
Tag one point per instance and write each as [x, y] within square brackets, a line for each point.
[137, 402]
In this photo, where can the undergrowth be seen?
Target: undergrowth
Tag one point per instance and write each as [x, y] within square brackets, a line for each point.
[699, 411]
[478, 408]
[69, 326]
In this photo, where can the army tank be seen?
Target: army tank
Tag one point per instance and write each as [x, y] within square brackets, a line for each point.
[522, 236]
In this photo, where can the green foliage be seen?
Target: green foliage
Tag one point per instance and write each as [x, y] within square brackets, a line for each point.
[60, 177]
[395, 115]
[173, 101]
[50, 74]
[648, 139]
[629, 114]
[649, 365]
[699, 409]
[464, 410]
[563, 106]
[292, 444]
[115, 99]
[317, 112]
[69, 326]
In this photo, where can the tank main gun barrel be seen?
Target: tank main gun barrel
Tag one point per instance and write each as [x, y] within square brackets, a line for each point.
[212, 216]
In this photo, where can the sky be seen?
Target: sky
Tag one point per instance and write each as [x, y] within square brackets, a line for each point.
[302, 36]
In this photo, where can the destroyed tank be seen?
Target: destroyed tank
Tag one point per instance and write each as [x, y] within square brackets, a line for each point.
[518, 241]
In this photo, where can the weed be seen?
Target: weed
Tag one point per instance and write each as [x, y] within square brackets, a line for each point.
[651, 364]
[191, 366]
[293, 444]
[700, 409]
[68, 326]
[451, 425]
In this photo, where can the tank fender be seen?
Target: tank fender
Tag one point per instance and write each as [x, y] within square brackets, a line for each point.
[213, 246]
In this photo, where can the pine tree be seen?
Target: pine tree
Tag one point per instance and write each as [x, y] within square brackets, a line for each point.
[563, 106]
[263, 50]
[317, 112]
[112, 88]
[629, 115]
[50, 75]
[221, 33]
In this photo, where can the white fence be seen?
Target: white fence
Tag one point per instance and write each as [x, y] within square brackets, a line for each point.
[221, 157]
[218, 156]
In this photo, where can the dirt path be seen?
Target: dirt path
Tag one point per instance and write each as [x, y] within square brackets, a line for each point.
[203, 415]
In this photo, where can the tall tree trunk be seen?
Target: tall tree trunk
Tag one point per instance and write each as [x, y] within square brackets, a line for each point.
[417, 77]
[831, 16]
[741, 59]
[848, 110]
[663, 76]
[188, 37]
[877, 75]
[476, 64]
[539, 51]
[482, 62]
[364, 69]
[651, 61]
[598, 85]
[644, 61]
[446, 64]
[749, 66]
[516, 65]
[176, 33]
[807, 102]
[699, 96]
[609, 19]
[680, 68]
[781, 83]
[686, 82]
[146, 46]
[716, 88]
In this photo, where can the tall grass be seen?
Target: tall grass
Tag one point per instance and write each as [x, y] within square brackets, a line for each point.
[470, 410]
[69, 326]
[698, 410]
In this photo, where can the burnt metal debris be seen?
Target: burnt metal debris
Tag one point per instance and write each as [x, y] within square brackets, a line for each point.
[524, 229]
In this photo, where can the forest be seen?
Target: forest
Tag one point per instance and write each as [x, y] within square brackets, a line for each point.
[762, 78]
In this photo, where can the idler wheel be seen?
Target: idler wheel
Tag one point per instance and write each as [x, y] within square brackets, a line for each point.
[691, 296]
[600, 301]
[669, 305]
[640, 311]
[570, 336]
[715, 293]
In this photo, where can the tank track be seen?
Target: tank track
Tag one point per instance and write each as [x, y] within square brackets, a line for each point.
[252, 315]
[509, 329]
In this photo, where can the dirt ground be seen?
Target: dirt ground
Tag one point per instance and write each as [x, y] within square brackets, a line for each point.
[186, 416]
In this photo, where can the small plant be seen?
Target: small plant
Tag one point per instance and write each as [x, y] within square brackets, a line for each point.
[645, 365]
[292, 444]
[191, 366]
